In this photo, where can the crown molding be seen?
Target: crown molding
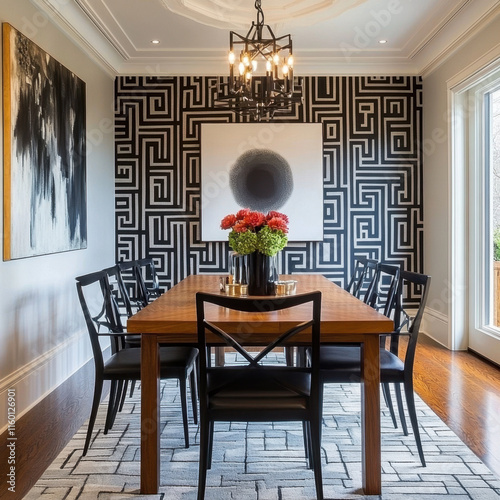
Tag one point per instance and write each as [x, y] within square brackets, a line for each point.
[92, 35]
[429, 59]
[79, 28]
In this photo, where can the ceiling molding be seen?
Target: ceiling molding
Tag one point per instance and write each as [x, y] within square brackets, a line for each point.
[431, 62]
[93, 32]
[427, 37]
[224, 15]
[68, 16]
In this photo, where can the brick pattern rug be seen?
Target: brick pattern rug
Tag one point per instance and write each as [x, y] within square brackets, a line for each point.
[259, 461]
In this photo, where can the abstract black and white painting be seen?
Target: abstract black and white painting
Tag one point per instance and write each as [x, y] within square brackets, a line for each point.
[44, 152]
[262, 166]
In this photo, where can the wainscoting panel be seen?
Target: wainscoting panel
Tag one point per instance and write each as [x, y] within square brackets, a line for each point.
[372, 169]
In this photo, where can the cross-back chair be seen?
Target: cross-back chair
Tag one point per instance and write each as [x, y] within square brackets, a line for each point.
[95, 295]
[361, 281]
[382, 297]
[258, 391]
[148, 283]
[342, 364]
[132, 300]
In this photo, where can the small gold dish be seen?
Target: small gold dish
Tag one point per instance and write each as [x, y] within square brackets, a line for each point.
[232, 289]
[236, 289]
[286, 287]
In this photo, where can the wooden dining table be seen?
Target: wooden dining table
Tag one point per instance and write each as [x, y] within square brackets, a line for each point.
[172, 319]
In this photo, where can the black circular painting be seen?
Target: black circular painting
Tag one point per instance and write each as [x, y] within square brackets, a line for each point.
[261, 180]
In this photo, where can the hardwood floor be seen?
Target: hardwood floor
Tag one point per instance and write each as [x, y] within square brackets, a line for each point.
[45, 430]
[463, 389]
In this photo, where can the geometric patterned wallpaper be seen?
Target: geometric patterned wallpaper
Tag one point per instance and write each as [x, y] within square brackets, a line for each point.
[372, 173]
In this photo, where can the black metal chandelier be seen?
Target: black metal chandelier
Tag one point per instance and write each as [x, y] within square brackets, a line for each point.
[260, 95]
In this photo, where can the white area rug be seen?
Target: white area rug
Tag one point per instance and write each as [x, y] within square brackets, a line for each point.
[266, 461]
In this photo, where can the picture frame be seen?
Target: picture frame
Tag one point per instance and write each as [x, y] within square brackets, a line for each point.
[262, 166]
[45, 207]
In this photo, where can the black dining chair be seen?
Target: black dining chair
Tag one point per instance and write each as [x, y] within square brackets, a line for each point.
[95, 294]
[362, 278]
[342, 364]
[384, 288]
[131, 307]
[148, 283]
[382, 297]
[127, 308]
[257, 391]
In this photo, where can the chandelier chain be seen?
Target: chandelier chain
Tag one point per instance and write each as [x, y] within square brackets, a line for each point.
[260, 13]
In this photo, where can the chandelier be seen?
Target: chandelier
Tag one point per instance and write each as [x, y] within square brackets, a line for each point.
[259, 94]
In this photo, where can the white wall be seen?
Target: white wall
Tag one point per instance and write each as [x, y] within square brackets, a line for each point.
[437, 161]
[42, 333]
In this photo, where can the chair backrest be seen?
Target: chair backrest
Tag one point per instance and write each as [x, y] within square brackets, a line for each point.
[148, 283]
[267, 305]
[382, 294]
[362, 278]
[122, 296]
[99, 308]
[404, 322]
[129, 280]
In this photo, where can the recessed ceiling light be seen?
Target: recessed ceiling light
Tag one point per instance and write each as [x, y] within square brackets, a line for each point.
[155, 42]
[382, 41]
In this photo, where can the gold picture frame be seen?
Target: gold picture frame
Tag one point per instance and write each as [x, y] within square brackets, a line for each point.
[44, 151]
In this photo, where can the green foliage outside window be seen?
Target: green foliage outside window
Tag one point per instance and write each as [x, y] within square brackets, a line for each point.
[496, 244]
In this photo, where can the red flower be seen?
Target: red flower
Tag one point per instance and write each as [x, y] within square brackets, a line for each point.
[254, 219]
[249, 220]
[241, 214]
[273, 213]
[278, 223]
[240, 227]
[228, 221]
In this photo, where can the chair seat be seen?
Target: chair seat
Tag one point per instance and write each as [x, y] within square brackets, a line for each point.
[127, 362]
[342, 364]
[133, 340]
[256, 390]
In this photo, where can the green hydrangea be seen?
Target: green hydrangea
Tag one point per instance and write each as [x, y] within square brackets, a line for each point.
[253, 231]
[267, 241]
[270, 241]
[243, 243]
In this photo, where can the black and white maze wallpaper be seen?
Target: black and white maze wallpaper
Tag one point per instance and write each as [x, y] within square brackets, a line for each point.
[372, 164]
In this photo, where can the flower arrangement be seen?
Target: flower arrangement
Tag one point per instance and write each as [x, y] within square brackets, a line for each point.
[255, 232]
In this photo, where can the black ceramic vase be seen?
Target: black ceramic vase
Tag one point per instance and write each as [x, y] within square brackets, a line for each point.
[262, 274]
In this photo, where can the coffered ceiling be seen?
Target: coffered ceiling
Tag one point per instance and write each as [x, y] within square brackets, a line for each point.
[330, 36]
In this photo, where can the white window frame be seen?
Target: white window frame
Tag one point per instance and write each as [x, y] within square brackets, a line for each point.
[468, 265]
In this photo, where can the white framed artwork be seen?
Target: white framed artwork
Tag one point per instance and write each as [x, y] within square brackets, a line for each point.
[262, 166]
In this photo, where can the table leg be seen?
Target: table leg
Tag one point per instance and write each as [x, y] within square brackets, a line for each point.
[370, 416]
[150, 415]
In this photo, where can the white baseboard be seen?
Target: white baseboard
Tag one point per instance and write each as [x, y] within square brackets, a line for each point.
[33, 381]
[435, 325]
